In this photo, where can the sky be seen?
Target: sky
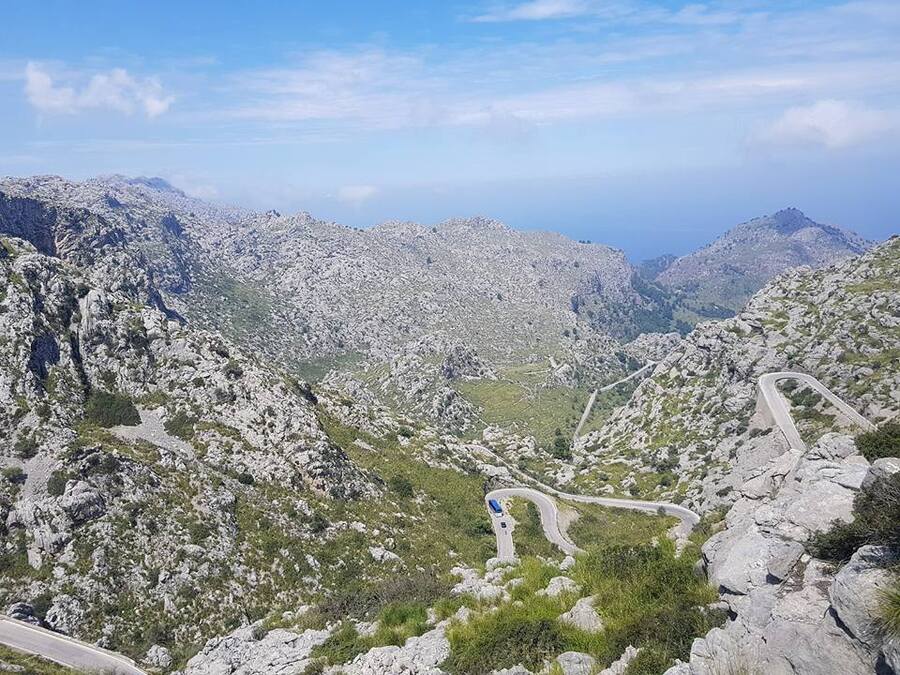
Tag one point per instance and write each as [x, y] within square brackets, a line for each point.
[650, 125]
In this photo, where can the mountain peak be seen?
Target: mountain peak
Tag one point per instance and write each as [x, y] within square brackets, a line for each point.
[790, 220]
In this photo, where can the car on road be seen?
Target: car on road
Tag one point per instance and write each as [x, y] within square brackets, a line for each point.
[503, 524]
[495, 506]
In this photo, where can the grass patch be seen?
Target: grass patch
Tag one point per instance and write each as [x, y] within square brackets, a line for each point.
[646, 596]
[528, 634]
[397, 622]
[536, 410]
[30, 664]
[889, 609]
[601, 526]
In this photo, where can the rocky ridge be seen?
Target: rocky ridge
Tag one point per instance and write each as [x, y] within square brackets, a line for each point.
[727, 272]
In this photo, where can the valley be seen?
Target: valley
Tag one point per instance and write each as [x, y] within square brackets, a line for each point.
[247, 442]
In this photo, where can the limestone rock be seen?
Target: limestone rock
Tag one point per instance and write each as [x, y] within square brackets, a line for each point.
[559, 585]
[576, 663]
[583, 616]
[857, 589]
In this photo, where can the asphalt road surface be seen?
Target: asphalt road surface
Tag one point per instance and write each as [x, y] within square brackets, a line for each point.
[549, 521]
[781, 410]
[64, 650]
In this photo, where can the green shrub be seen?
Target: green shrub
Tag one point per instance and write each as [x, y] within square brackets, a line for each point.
[14, 475]
[341, 646]
[401, 485]
[199, 532]
[245, 478]
[876, 513]
[883, 442]
[400, 613]
[649, 661]
[56, 484]
[561, 449]
[41, 605]
[108, 410]
[502, 640]
[181, 425]
[233, 370]
[25, 447]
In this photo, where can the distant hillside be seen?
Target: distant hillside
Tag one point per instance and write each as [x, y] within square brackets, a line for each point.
[727, 272]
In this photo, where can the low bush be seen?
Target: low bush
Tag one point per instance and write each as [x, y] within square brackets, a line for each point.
[233, 370]
[401, 485]
[883, 442]
[504, 639]
[108, 410]
[56, 484]
[367, 601]
[15, 475]
[25, 447]
[876, 520]
[181, 425]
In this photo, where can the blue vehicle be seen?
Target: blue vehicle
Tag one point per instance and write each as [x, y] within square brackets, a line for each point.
[495, 506]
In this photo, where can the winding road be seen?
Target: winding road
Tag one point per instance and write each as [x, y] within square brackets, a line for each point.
[607, 387]
[63, 649]
[80, 655]
[778, 408]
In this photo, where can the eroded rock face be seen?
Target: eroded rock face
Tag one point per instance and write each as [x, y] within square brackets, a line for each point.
[576, 663]
[857, 589]
[418, 656]
[279, 652]
[792, 613]
[559, 585]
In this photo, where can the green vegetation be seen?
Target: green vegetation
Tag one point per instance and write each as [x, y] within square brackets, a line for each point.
[447, 514]
[25, 447]
[56, 483]
[107, 409]
[14, 475]
[889, 609]
[181, 425]
[601, 526]
[397, 622]
[31, 665]
[520, 404]
[883, 442]
[528, 533]
[646, 595]
[402, 486]
[876, 520]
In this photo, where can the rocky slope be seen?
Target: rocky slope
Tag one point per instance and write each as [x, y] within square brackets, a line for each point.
[165, 481]
[691, 430]
[727, 272]
[794, 613]
[140, 455]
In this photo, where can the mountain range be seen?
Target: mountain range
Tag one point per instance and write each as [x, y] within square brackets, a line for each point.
[248, 440]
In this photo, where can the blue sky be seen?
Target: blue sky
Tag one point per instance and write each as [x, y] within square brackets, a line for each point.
[647, 124]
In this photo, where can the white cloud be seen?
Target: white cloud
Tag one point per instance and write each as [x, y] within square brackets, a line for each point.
[829, 123]
[537, 10]
[115, 90]
[356, 194]
[633, 11]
